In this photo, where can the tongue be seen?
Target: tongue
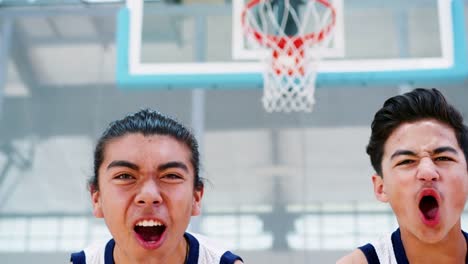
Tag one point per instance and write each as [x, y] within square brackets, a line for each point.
[150, 234]
[431, 214]
[429, 207]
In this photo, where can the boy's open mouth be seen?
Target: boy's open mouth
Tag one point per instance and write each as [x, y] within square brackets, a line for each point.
[149, 230]
[429, 207]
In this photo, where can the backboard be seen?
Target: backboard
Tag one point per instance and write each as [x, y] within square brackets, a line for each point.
[199, 43]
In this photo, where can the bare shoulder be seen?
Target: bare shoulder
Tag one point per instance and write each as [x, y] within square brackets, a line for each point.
[238, 262]
[355, 257]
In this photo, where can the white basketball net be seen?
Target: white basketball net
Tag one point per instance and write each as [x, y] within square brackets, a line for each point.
[295, 32]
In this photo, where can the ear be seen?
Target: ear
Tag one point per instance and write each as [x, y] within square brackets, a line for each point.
[379, 188]
[197, 198]
[97, 207]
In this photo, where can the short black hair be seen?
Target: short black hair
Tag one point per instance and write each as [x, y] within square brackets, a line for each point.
[413, 106]
[147, 122]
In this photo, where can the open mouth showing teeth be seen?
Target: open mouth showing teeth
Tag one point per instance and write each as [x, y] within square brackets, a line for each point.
[149, 230]
[429, 207]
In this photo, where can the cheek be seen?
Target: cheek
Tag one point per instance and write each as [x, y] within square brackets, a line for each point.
[399, 191]
[179, 201]
[395, 187]
[402, 181]
[458, 190]
[114, 203]
[116, 215]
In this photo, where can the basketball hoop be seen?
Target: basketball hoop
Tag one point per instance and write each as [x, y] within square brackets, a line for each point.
[295, 38]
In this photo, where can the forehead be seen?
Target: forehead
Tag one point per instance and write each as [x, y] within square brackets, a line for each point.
[138, 147]
[424, 134]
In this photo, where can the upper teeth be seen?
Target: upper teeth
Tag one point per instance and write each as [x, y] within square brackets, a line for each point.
[149, 223]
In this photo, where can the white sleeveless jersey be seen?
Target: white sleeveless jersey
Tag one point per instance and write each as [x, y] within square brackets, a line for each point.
[389, 249]
[383, 249]
[202, 251]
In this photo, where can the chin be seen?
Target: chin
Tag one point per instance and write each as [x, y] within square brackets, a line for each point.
[432, 235]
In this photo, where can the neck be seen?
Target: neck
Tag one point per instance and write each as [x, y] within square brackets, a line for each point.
[450, 249]
[176, 256]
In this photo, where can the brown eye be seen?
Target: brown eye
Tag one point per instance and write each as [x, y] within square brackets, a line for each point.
[405, 162]
[443, 158]
[124, 176]
[172, 176]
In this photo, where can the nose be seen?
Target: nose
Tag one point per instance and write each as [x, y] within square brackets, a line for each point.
[427, 170]
[149, 193]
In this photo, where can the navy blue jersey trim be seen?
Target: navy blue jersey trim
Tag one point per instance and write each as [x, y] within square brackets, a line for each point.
[78, 258]
[400, 252]
[398, 248]
[194, 248]
[229, 258]
[369, 252]
[193, 254]
[109, 252]
[466, 239]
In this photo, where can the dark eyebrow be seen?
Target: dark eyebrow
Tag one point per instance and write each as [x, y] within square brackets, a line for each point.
[445, 149]
[403, 152]
[173, 164]
[122, 163]
[435, 151]
[165, 166]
